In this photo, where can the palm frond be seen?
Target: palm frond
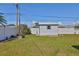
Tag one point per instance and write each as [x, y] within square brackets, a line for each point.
[2, 20]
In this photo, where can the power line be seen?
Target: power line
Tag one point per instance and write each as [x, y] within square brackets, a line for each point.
[24, 14]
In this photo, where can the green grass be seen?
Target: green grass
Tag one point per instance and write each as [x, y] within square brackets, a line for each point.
[33, 45]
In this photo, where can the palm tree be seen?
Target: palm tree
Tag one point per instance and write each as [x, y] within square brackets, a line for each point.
[2, 20]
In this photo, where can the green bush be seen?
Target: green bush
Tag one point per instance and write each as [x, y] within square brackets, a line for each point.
[24, 30]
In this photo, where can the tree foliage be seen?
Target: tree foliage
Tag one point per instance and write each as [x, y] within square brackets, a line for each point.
[2, 20]
[24, 30]
[76, 26]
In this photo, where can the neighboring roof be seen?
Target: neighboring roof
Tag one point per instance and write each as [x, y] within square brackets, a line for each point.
[37, 24]
[35, 27]
[47, 23]
[11, 25]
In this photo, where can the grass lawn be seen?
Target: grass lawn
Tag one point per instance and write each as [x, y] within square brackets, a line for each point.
[33, 45]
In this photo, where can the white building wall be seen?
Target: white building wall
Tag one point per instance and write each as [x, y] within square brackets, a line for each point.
[76, 31]
[2, 33]
[35, 31]
[44, 31]
[7, 32]
[10, 31]
[66, 31]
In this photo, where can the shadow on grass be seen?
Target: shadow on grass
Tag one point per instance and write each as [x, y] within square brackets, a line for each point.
[9, 39]
[76, 46]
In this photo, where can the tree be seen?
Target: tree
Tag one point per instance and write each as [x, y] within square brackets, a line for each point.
[24, 30]
[76, 27]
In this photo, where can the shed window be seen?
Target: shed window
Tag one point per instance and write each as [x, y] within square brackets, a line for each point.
[48, 27]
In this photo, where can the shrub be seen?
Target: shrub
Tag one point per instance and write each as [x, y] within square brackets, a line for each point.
[24, 30]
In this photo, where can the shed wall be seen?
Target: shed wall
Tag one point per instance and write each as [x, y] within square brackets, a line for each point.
[7, 32]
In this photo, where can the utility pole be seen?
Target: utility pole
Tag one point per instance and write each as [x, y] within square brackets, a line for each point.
[18, 18]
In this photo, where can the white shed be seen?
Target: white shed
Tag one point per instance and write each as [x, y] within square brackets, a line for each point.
[7, 32]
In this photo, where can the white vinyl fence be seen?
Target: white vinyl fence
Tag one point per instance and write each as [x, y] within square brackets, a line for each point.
[66, 30]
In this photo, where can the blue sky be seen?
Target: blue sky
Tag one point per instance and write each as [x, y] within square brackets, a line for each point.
[43, 12]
